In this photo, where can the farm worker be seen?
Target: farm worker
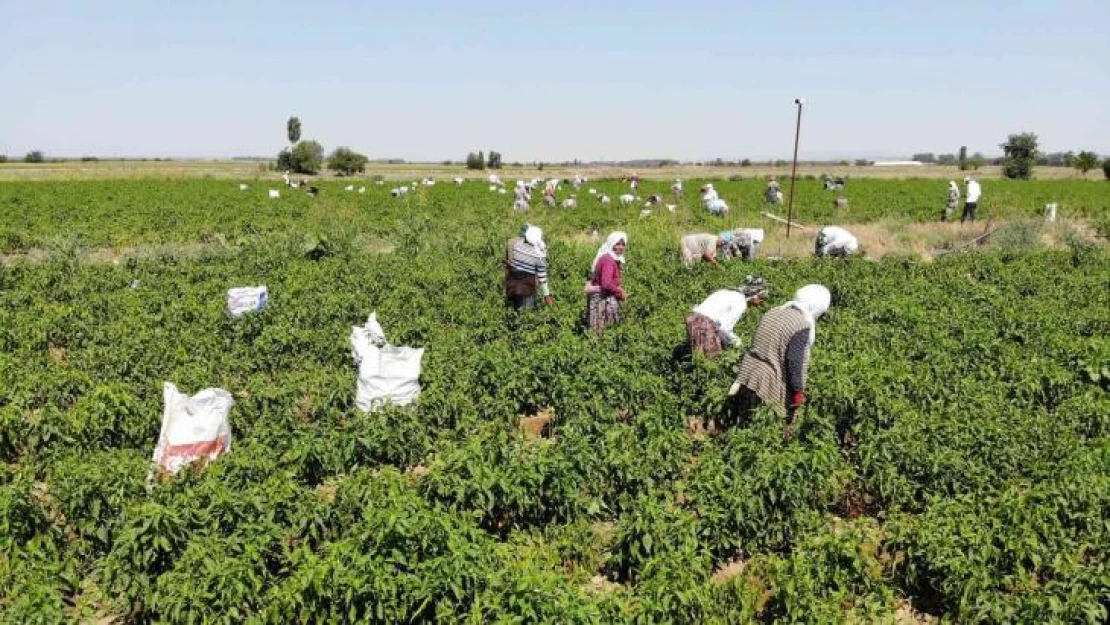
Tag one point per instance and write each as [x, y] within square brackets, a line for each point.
[774, 370]
[745, 242]
[635, 181]
[835, 241]
[773, 195]
[525, 269]
[709, 325]
[953, 200]
[972, 201]
[522, 196]
[703, 247]
[603, 290]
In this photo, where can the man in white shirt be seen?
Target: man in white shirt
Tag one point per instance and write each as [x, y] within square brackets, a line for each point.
[972, 201]
[709, 326]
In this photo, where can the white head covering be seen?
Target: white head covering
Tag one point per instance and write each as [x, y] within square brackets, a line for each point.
[534, 237]
[952, 183]
[812, 300]
[607, 248]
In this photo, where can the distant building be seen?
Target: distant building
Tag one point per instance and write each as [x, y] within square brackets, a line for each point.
[898, 163]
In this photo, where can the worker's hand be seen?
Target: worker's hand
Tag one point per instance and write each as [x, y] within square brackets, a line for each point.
[798, 399]
[549, 299]
[756, 301]
[734, 389]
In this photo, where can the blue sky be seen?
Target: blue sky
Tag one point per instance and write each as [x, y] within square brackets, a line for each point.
[553, 80]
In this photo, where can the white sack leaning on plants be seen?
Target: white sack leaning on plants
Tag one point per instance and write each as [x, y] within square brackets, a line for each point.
[245, 299]
[387, 374]
[192, 427]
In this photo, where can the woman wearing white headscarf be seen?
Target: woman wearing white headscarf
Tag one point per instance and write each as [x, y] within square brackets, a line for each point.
[603, 291]
[526, 268]
[774, 370]
[953, 200]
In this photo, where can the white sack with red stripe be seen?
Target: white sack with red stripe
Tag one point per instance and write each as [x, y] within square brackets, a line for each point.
[192, 427]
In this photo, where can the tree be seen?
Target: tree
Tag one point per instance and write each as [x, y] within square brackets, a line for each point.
[977, 161]
[1020, 152]
[946, 159]
[305, 158]
[746, 162]
[1106, 168]
[35, 156]
[346, 161]
[1085, 161]
[293, 130]
[481, 162]
[863, 162]
[3, 158]
[964, 164]
[925, 157]
[494, 160]
[472, 161]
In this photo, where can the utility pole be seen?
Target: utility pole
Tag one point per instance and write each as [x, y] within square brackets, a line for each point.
[794, 170]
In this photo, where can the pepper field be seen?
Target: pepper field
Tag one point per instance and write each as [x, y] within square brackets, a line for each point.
[953, 460]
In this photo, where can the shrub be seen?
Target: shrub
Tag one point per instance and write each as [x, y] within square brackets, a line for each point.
[1085, 161]
[35, 156]
[1106, 168]
[346, 161]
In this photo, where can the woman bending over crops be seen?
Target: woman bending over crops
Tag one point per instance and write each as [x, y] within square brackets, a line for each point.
[697, 247]
[603, 291]
[773, 372]
[709, 325]
[526, 269]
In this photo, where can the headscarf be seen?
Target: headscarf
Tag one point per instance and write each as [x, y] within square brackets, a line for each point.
[812, 300]
[534, 237]
[952, 184]
[726, 236]
[607, 248]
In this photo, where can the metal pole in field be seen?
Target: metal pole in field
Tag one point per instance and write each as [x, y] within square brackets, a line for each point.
[794, 169]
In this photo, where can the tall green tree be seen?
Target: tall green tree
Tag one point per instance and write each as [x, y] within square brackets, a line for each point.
[494, 160]
[1106, 168]
[964, 164]
[293, 130]
[1085, 161]
[1020, 154]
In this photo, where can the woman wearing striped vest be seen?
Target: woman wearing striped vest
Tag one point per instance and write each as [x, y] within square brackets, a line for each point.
[774, 370]
[525, 269]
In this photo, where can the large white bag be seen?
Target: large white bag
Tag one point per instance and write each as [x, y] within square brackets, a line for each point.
[245, 299]
[192, 427]
[386, 374]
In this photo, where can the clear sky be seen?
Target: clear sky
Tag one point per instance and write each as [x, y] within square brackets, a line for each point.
[552, 80]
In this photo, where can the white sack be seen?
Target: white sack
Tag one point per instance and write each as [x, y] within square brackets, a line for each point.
[386, 374]
[192, 427]
[244, 299]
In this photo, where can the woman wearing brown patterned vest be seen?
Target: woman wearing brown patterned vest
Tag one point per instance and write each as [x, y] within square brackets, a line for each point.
[773, 372]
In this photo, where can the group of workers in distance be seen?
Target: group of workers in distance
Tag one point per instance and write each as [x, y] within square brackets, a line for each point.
[971, 202]
[772, 372]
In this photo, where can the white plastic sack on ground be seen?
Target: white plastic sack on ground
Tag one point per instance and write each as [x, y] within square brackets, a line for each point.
[192, 427]
[386, 374]
[246, 298]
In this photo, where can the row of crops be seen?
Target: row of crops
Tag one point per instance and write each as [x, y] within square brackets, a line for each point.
[954, 455]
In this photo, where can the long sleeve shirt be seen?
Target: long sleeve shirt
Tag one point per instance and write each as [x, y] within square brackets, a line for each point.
[523, 257]
[725, 307]
[607, 275]
[973, 191]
